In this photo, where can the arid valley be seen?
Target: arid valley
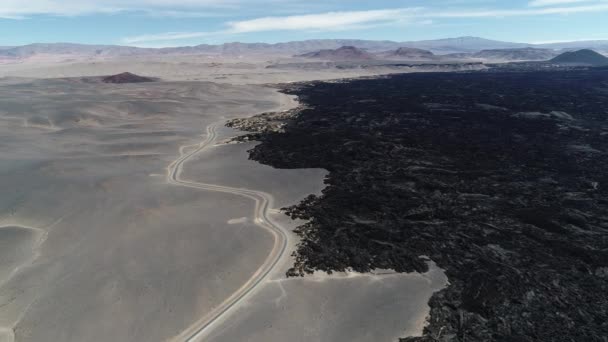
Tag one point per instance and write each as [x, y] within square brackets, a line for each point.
[326, 190]
[103, 246]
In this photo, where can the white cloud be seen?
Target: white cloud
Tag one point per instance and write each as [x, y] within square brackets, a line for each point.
[333, 21]
[19, 9]
[542, 3]
[323, 21]
[168, 36]
[24, 8]
[600, 7]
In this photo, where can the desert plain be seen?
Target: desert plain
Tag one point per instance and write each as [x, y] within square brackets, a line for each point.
[98, 244]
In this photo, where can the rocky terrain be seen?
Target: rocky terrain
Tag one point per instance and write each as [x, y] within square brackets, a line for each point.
[382, 66]
[498, 177]
[264, 123]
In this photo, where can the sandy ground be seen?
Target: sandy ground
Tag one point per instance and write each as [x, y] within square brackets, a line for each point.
[340, 307]
[229, 164]
[127, 257]
[251, 70]
[96, 245]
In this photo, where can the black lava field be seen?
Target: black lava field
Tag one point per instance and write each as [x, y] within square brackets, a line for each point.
[501, 178]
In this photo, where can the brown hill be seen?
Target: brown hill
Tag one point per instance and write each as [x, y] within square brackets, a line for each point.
[409, 53]
[345, 53]
[126, 77]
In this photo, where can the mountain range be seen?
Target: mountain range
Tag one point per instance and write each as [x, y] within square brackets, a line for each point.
[351, 53]
[461, 45]
[515, 54]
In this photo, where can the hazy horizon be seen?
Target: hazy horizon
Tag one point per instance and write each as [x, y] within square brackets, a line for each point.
[523, 44]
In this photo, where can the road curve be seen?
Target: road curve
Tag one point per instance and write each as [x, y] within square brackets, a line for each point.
[263, 203]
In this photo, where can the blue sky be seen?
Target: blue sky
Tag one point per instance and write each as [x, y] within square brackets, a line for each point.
[158, 23]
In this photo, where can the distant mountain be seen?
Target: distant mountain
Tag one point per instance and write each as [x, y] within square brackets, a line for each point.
[344, 53]
[409, 53]
[228, 49]
[463, 44]
[520, 54]
[597, 45]
[71, 49]
[459, 45]
[585, 57]
[300, 47]
[126, 77]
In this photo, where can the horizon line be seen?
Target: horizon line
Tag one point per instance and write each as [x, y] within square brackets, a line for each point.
[548, 42]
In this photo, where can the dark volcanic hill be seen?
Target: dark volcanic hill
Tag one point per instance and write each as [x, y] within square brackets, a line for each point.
[409, 53]
[345, 53]
[587, 57]
[522, 54]
[126, 77]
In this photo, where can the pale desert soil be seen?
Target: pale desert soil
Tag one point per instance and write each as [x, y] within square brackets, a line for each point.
[103, 248]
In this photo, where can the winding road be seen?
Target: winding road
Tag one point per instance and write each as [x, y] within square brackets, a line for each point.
[263, 204]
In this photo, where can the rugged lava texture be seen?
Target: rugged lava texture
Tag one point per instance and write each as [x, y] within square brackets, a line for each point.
[263, 123]
[500, 178]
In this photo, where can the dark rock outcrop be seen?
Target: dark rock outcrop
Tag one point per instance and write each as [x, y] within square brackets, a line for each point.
[582, 57]
[126, 77]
